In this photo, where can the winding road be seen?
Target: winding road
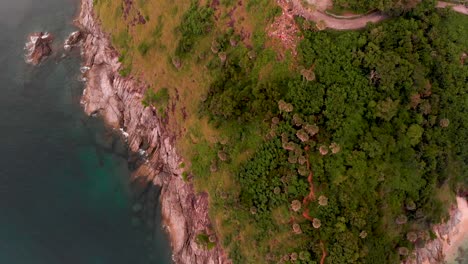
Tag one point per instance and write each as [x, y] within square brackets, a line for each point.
[295, 7]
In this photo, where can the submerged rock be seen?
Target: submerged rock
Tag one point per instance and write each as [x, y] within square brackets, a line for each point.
[38, 47]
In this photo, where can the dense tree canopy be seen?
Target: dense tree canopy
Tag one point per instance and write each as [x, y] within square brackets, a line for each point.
[379, 132]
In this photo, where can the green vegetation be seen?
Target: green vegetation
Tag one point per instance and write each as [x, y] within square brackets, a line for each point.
[204, 241]
[374, 127]
[354, 147]
[158, 99]
[196, 22]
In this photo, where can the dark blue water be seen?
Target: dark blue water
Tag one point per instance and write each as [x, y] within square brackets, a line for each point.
[65, 194]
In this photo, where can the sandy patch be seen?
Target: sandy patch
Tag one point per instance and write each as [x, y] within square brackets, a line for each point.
[460, 233]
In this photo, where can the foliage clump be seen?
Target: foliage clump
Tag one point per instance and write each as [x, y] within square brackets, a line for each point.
[196, 22]
[206, 241]
[159, 99]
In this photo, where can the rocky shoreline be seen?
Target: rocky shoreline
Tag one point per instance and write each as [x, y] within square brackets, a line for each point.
[436, 251]
[118, 100]
[38, 47]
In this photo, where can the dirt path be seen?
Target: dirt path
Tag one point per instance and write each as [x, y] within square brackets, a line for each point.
[331, 22]
[295, 7]
[309, 198]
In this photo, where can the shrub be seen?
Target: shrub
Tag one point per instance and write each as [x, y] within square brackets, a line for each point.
[153, 98]
[143, 48]
[204, 241]
[196, 22]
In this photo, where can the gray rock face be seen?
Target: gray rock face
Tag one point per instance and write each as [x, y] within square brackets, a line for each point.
[73, 40]
[118, 101]
[38, 47]
[433, 251]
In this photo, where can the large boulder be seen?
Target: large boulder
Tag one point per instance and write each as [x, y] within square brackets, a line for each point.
[73, 40]
[38, 47]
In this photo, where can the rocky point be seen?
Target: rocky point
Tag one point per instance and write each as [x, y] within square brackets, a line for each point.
[38, 47]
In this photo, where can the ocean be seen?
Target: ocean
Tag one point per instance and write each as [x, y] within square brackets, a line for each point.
[65, 190]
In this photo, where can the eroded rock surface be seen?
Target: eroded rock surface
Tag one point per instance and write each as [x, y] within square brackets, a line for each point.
[118, 100]
[38, 47]
[73, 40]
[434, 251]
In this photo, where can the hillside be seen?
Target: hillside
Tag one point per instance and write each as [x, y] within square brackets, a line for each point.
[315, 146]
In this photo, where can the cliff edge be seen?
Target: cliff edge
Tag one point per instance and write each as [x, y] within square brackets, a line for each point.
[118, 100]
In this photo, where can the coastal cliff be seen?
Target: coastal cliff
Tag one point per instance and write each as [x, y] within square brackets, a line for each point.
[118, 100]
[449, 237]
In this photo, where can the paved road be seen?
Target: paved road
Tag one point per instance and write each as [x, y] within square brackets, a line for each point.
[352, 23]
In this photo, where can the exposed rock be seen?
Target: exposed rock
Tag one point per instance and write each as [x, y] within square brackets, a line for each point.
[433, 251]
[118, 100]
[38, 47]
[73, 40]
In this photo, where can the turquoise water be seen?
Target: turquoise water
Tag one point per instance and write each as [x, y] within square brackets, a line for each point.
[65, 195]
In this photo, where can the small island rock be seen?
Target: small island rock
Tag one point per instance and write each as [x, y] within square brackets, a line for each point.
[38, 47]
[73, 40]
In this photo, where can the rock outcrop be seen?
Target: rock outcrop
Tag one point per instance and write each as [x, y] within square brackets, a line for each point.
[118, 100]
[434, 251]
[73, 40]
[38, 47]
